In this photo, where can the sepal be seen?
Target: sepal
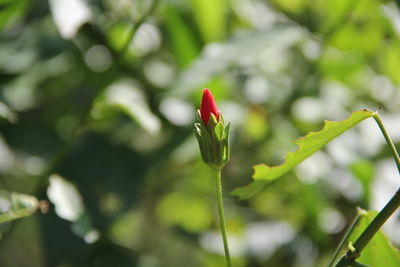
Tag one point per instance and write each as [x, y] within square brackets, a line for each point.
[213, 140]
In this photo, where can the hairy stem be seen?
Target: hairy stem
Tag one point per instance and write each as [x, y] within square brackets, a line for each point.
[382, 216]
[217, 174]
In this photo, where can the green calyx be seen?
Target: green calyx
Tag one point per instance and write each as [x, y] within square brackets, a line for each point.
[213, 141]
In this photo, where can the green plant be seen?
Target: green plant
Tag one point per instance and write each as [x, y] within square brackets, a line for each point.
[372, 223]
[213, 136]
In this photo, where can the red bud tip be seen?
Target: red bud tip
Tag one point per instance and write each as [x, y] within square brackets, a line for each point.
[208, 106]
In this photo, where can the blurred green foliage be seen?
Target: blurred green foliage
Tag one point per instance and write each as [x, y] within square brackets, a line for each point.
[100, 125]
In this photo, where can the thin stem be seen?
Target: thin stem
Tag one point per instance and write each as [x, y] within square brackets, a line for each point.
[346, 237]
[388, 140]
[217, 174]
[382, 216]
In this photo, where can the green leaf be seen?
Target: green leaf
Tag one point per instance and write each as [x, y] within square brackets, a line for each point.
[219, 130]
[308, 145]
[204, 71]
[379, 251]
[14, 206]
[210, 16]
[181, 37]
[11, 11]
[126, 96]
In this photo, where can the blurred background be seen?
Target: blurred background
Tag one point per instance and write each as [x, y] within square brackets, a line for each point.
[97, 105]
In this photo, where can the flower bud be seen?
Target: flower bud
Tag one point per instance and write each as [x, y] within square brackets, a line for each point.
[211, 133]
[208, 106]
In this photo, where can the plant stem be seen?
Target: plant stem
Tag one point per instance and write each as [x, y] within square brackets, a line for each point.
[346, 237]
[217, 174]
[371, 230]
[382, 216]
[388, 140]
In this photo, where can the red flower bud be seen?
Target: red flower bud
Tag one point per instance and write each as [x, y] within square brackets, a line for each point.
[212, 134]
[208, 106]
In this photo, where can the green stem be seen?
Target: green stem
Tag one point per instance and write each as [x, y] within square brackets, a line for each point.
[346, 237]
[371, 230]
[388, 140]
[217, 174]
[382, 216]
